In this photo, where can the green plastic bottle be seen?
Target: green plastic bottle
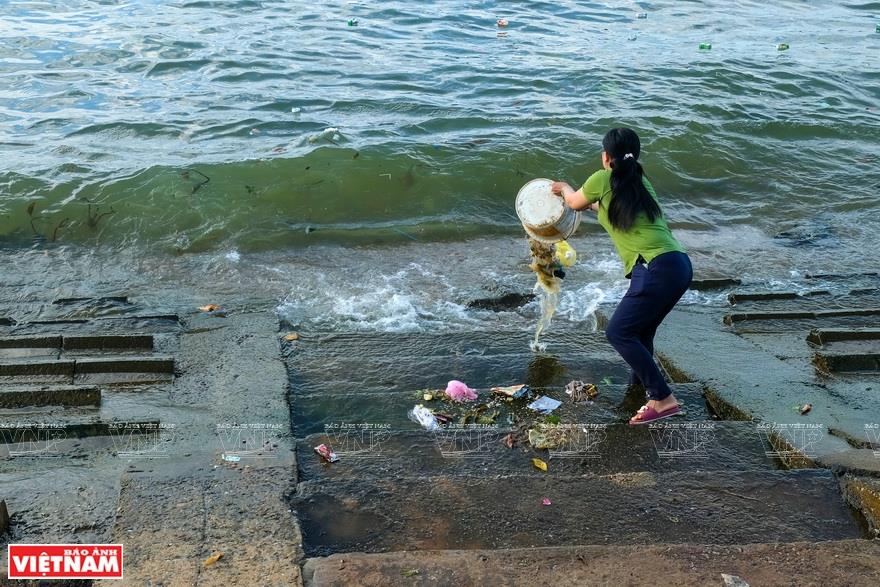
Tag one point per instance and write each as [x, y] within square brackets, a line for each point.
[705, 46]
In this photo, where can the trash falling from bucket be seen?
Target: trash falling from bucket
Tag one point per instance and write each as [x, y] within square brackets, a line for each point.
[547, 287]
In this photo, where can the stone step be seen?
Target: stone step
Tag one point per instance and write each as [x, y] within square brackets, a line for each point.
[89, 370]
[85, 300]
[801, 322]
[808, 302]
[37, 370]
[733, 318]
[349, 375]
[823, 336]
[714, 283]
[122, 324]
[17, 431]
[408, 345]
[316, 412]
[143, 342]
[49, 395]
[835, 362]
[52, 345]
[479, 452]
[738, 297]
[724, 507]
[841, 562]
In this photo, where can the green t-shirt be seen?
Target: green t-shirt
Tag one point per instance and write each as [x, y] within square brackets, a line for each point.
[645, 238]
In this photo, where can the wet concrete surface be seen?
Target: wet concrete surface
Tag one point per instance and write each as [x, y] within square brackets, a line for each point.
[846, 562]
[443, 512]
[222, 392]
[587, 449]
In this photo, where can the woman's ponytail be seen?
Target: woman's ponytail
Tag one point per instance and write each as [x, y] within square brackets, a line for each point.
[630, 196]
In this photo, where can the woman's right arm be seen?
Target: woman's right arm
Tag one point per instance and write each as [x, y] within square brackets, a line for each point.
[576, 200]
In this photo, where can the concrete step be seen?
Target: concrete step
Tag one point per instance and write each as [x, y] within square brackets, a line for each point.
[815, 300]
[736, 317]
[315, 412]
[801, 322]
[714, 283]
[421, 345]
[407, 373]
[602, 449]
[49, 395]
[17, 431]
[724, 507]
[841, 562]
[825, 336]
[47, 346]
[828, 362]
[124, 324]
[89, 370]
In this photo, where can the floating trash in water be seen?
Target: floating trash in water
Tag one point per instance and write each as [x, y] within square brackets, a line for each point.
[642, 15]
[806, 409]
[502, 22]
[705, 46]
[291, 337]
[782, 47]
[352, 22]
[502, 34]
[254, 132]
[296, 110]
[546, 501]
[877, 29]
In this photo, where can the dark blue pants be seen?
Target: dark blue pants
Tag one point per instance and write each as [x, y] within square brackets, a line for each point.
[653, 292]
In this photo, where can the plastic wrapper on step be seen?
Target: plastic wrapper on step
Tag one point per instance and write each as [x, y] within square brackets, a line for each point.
[580, 391]
[326, 454]
[513, 391]
[424, 417]
[459, 392]
[544, 404]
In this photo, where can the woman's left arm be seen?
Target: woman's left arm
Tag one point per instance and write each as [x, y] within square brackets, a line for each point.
[576, 200]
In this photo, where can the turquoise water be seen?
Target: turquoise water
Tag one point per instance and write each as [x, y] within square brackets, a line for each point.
[114, 115]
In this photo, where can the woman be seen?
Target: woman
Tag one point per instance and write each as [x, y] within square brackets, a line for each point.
[657, 266]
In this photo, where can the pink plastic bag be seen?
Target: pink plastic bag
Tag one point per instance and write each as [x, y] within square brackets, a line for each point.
[459, 392]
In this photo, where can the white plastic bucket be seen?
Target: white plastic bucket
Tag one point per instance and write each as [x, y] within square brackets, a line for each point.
[544, 215]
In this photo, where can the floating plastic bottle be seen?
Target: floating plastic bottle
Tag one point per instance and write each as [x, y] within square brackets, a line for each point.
[642, 15]
[352, 22]
[877, 29]
[782, 47]
[705, 46]
[565, 254]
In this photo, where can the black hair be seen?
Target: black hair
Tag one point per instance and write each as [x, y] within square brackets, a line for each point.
[630, 196]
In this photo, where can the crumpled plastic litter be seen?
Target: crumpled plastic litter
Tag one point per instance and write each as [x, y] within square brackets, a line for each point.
[424, 417]
[580, 391]
[513, 391]
[544, 404]
[459, 392]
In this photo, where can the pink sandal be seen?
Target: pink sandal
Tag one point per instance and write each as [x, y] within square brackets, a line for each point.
[646, 415]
